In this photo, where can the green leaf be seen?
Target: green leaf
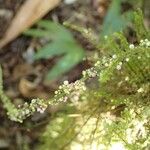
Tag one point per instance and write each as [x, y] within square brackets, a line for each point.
[62, 43]
[65, 64]
[50, 50]
[36, 33]
[58, 32]
[114, 20]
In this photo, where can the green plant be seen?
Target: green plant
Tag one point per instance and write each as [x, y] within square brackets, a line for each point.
[61, 43]
[115, 114]
[108, 108]
[115, 20]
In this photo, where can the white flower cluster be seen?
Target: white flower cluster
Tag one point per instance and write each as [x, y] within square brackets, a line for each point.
[39, 105]
[108, 61]
[97, 63]
[104, 60]
[145, 43]
[71, 91]
[137, 131]
[92, 72]
[25, 110]
[119, 66]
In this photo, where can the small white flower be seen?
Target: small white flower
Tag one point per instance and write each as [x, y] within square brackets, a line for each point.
[114, 56]
[126, 78]
[97, 63]
[148, 44]
[118, 67]
[76, 98]
[40, 110]
[106, 64]
[120, 63]
[127, 59]
[27, 111]
[84, 73]
[33, 101]
[60, 87]
[66, 82]
[131, 46]
[140, 90]
[141, 41]
[56, 92]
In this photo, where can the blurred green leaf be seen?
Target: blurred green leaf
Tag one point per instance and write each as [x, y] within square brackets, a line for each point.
[62, 44]
[114, 20]
[66, 63]
[36, 33]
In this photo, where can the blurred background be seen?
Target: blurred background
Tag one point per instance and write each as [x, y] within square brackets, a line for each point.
[36, 63]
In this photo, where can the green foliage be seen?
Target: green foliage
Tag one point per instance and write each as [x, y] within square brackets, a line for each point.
[139, 26]
[59, 130]
[135, 4]
[61, 43]
[21, 112]
[116, 114]
[113, 115]
[114, 20]
[7, 104]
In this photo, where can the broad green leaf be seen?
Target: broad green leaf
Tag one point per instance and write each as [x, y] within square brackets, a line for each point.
[62, 43]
